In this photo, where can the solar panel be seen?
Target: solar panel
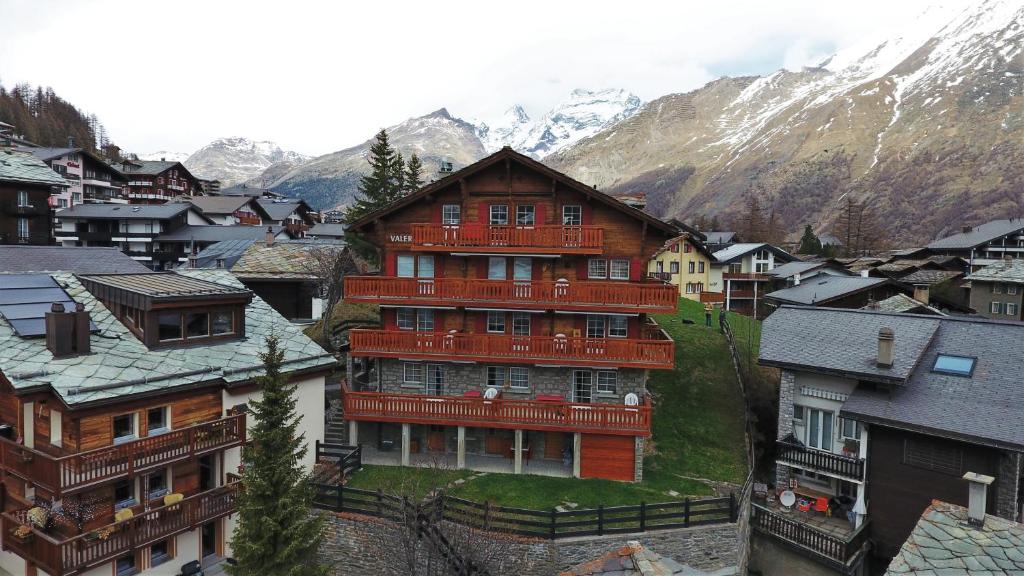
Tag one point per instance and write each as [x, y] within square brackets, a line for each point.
[26, 298]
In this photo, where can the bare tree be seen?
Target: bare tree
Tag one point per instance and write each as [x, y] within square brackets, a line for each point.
[329, 264]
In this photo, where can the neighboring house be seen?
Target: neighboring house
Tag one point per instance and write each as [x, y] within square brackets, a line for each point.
[741, 273]
[185, 241]
[231, 210]
[24, 259]
[684, 262]
[495, 306]
[902, 304]
[716, 241]
[797, 271]
[133, 228]
[837, 291]
[209, 187]
[253, 191]
[125, 407]
[89, 177]
[997, 290]
[157, 181]
[327, 231]
[879, 414]
[294, 215]
[334, 217]
[982, 244]
[26, 183]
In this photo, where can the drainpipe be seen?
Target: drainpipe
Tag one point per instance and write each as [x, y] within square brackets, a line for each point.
[728, 295]
[860, 508]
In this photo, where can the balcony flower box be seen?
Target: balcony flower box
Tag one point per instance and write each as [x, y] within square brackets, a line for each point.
[22, 534]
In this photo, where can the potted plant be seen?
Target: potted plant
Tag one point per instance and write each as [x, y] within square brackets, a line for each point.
[851, 447]
[22, 533]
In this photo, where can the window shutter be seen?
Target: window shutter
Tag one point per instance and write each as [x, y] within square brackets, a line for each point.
[390, 264]
[435, 213]
[581, 269]
[481, 322]
[636, 269]
[481, 267]
[541, 215]
[633, 328]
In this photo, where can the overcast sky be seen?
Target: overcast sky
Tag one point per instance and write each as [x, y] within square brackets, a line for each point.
[320, 76]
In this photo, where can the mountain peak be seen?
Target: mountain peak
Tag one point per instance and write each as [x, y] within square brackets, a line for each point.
[440, 113]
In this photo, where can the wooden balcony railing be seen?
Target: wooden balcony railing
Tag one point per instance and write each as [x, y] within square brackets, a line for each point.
[248, 218]
[576, 295]
[745, 276]
[646, 353]
[712, 297]
[498, 413]
[482, 238]
[847, 467]
[830, 549]
[67, 474]
[296, 228]
[62, 556]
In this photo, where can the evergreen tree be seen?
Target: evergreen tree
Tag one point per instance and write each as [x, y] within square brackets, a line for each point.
[809, 243]
[376, 189]
[276, 534]
[398, 174]
[413, 174]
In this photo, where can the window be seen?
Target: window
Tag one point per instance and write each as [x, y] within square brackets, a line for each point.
[197, 324]
[519, 377]
[582, 385]
[495, 376]
[1011, 289]
[520, 323]
[497, 268]
[522, 269]
[425, 320]
[798, 412]
[619, 270]
[597, 268]
[157, 421]
[406, 266]
[997, 288]
[23, 198]
[496, 322]
[687, 248]
[618, 326]
[700, 267]
[690, 267]
[689, 288]
[994, 307]
[525, 215]
[23, 228]
[673, 267]
[425, 266]
[222, 322]
[412, 373]
[124, 493]
[1011, 309]
[954, 365]
[819, 429]
[659, 267]
[406, 318]
[572, 215]
[125, 565]
[736, 268]
[451, 214]
[157, 485]
[931, 455]
[675, 247]
[435, 379]
[159, 553]
[849, 428]
[499, 215]
[124, 428]
[169, 326]
[606, 381]
[595, 326]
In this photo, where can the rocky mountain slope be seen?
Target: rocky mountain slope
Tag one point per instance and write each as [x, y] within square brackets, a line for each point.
[165, 155]
[927, 127]
[236, 160]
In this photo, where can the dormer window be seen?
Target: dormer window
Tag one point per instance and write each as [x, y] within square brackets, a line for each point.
[954, 365]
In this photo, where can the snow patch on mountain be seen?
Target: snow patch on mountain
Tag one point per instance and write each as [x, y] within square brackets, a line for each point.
[165, 155]
[236, 160]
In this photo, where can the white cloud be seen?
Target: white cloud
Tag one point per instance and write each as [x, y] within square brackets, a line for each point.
[320, 76]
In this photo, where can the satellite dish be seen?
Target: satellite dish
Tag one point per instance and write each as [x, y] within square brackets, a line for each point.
[787, 498]
[632, 399]
[491, 393]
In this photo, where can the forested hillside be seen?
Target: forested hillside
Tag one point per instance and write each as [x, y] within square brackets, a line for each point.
[40, 116]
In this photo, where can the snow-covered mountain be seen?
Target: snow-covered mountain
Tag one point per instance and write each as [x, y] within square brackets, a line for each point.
[926, 127]
[165, 155]
[583, 114]
[236, 160]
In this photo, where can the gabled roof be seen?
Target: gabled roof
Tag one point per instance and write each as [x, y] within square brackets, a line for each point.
[719, 237]
[214, 233]
[80, 260]
[979, 235]
[27, 169]
[795, 267]
[46, 153]
[226, 251]
[930, 277]
[327, 229]
[509, 153]
[727, 255]
[154, 167]
[693, 240]
[224, 204]
[1009, 272]
[824, 288]
[902, 304]
[277, 210]
[128, 211]
[280, 261]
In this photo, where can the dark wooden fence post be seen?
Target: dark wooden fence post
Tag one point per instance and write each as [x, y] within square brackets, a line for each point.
[600, 519]
[341, 498]
[733, 512]
[380, 499]
[487, 515]
[643, 516]
[553, 516]
[686, 512]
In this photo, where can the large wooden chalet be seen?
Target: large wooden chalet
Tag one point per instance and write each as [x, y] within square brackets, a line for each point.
[515, 333]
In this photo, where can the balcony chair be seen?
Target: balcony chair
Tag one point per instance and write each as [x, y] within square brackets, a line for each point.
[123, 514]
[821, 505]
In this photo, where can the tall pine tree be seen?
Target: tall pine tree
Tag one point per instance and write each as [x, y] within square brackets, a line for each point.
[809, 243]
[413, 174]
[380, 187]
[398, 174]
[276, 534]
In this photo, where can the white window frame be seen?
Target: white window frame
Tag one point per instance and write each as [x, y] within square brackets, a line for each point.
[424, 320]
[435, 379]
[497, 212]
[405, 266]
[572, 215]
[997, 288]
[673, 268]
[823, 416]
[526, 215]
[618, 269]
[519, 377]
[412, 373]
[689, 288]
[700, 267]
[1011, 289]
[607, 382]
[582, 380]
[521, 323]
[844, 423]
[451, 214]
[159, 492]
[135, 428]
[995, 308]
[497, 376]
[618, 327]
[493, 318]
[160, 429]
[595, 325]
[1011, 309]
[597, 269]
[23, 229]
[425, 262]
[691, 266]
[23, 199]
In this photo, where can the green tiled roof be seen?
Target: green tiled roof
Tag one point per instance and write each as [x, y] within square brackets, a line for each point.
[21, 167]
[121, 365]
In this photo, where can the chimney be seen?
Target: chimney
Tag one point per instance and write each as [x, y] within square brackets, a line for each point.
[193, 262]
[1007, 261]
[81, 343]
[219, 263]
[163, 159]
[921, 293]
[886, 347]
[796, 279]
[270, 236]
[60, 327]
[977, 494]
[865, 273]
[966, 229]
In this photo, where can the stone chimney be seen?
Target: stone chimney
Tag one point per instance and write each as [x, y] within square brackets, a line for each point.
[865, 273]
[886, 347]
[81, 339]
[270, 236]
[977, 497]
[1007, 261]
[921, 293]
[796, 279]
[60, 329]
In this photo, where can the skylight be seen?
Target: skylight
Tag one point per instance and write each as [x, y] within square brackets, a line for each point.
[955, 365]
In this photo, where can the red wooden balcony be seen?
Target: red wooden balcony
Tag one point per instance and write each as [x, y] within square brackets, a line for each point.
[70, 473]
[712, 297]
[60, 552]
[248, 218]
[546, 239]
[749, 276]
[535, 295]
[627, 353]
[498, 413]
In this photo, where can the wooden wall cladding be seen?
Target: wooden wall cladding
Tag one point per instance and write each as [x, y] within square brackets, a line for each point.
[609, 457]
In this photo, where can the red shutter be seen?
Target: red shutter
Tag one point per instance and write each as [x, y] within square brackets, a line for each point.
[390, 264]
[633, 328]
[536, 324]
[481, 322]
[538, 269]
[587, 214]
[636, 269]
[438, 266]
[581, 269]
[389, 317]
[481, 267]
[540, 214]
[435, 213]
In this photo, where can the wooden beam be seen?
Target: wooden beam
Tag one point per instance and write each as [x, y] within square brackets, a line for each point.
[643, 232]
[508, 175]
[463, 189]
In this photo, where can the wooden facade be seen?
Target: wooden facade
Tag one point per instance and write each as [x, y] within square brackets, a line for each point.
[25, 213]
[508, 262]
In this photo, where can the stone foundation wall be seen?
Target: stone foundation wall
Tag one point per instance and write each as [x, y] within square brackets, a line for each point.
[787, 395]
[356, 545]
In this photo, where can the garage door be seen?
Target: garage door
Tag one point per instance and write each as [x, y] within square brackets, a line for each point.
[605, 456]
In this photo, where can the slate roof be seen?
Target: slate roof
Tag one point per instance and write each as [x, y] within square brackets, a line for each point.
[719, 237]
[979, 235]
[327, 230]
[23, 259]
[227, 250]
[125, 211]
[45, 153]
[278, 211]
[165, 284]
[219, 204]
[120, 365]
[278, 261]
[26, 168]
[803, 267]
[825, 287]
[844, 341]
[930, 277]
[634, 559]
[944, 543]
[902, 304]
[214, 233]
[152, 167]
[736, 250]
[1001, 272]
